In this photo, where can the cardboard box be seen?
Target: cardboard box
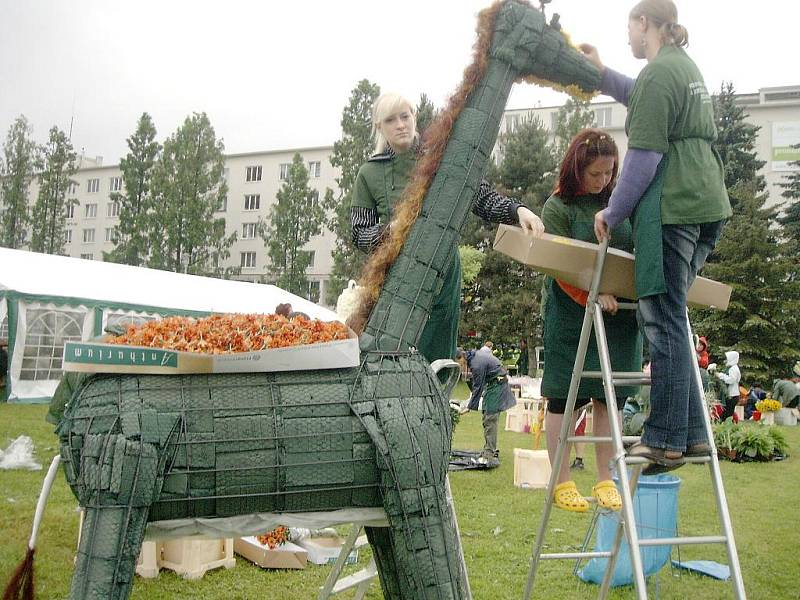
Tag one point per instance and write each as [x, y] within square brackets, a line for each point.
[98, 357]
[285, 556]
[531, 468]
[325, 550]
[572, 261]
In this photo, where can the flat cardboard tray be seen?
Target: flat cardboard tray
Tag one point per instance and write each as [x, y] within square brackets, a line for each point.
[572, 261]
[99, 357]
[285, 556]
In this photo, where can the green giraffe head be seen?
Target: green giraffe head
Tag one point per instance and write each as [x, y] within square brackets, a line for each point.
[405, 275]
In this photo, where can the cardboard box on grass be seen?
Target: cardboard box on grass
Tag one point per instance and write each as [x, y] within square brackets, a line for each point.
[99, 357]
[325, 550]
[285, 556]
[572, 261]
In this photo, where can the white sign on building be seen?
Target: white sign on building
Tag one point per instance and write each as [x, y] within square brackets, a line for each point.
[785, 134]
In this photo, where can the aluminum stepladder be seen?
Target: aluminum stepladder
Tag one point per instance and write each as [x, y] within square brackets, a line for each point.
[593, 319]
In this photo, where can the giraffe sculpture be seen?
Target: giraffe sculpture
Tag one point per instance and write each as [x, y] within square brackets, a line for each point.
[138, 449]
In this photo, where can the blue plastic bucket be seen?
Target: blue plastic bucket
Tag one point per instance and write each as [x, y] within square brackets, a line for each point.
[655, 508]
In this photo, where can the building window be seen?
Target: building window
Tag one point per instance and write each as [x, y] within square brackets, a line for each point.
[314, 167]
[69, 211]
[285, 171]
[252, 201]
[88, 236]
[93, 185]
[511, 123]
[249, 231]
[87, 256]
[115, 184]
[73, 188]
[248, 260]
[68, 236]
[313, 291]
[223, 205]
[314, 198]
[90, 211]
[113, 209]
[312, 255]
[111, 234]
[553, 120]
[602, 117]
[254, 173]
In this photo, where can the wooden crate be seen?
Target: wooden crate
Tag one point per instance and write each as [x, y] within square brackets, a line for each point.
[192, 557]
[519, 421]
[531, 468]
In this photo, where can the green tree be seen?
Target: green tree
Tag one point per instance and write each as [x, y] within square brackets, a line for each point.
[573, 116]
[349, 153]
[502, 303]
[736, 140]
[293, 220]
[136, 201]
[188, 187]
[528, 169]
[50, 209]
[426, 113]
[20, 162]
[761, 322]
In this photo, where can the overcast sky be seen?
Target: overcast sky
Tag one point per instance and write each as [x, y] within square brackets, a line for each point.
[276, 74]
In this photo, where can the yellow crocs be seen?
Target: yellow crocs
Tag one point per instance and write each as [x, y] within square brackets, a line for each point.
[567, 497]
[607, 496]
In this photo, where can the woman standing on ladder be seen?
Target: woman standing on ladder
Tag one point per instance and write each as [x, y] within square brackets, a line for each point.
[584, 185]
[379, 185]
[672, 184]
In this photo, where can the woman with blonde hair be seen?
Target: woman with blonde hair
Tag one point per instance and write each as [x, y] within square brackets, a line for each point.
[672, 186]
[379, 185]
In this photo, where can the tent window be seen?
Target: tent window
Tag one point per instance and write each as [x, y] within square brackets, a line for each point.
[44, 342]
[4, 328]
[123, 319]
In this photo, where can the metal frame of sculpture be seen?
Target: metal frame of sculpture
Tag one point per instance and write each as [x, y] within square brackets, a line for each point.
[137, 449]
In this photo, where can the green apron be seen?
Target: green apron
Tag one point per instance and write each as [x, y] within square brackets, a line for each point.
[498, 396]
[646, 219]
[563, 319]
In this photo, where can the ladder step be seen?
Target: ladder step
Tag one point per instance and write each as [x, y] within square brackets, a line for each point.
[695, 460]
[684, 541]
[574, 555]
[621, 378]
[595, 439]
[628, 305]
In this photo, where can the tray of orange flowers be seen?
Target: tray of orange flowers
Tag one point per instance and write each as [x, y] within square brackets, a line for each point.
[226, 343]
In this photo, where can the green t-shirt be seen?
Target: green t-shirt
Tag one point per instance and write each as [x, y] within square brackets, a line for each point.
[381, 181]
[670, 112]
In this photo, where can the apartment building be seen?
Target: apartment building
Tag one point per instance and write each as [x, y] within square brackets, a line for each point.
[254, 179]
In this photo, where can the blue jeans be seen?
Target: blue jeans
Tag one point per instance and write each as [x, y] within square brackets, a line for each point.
[676, 409]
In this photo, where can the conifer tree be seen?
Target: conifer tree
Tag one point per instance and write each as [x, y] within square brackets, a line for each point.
[426, 113]
[736, 141]
[136, 200]
[50, 210]
[349, 153]
[573, 116]
[294, 219]
[188, 187]
[21, 160]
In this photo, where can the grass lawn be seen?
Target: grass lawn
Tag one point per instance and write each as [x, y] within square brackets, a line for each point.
[498, 523]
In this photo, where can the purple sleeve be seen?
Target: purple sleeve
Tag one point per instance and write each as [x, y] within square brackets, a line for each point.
[638, 171]
[616, 85]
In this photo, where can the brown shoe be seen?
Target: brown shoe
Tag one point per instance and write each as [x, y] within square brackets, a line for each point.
[662, 460]
[695, 450]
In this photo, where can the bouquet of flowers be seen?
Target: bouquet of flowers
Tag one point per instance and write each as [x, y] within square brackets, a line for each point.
[768, 405]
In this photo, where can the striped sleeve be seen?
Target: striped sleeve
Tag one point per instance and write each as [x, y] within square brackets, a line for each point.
[367, 231]
[491, 206]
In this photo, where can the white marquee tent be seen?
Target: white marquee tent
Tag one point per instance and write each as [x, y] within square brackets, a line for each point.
[46, 300]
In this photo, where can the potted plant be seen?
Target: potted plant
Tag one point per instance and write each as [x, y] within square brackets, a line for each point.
[767, 409]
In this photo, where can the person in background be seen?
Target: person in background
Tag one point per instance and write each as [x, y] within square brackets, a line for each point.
[672, 184]
[755, 394]
[379, 186]
[584, 184]
[488, 347]
[490, 380]
[522, 361]
[787, 391]
[701, 347]
[730, 377]
[284, 309]
[3, 366]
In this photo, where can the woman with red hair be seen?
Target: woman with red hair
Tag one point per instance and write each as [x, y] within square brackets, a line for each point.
[585, 181]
